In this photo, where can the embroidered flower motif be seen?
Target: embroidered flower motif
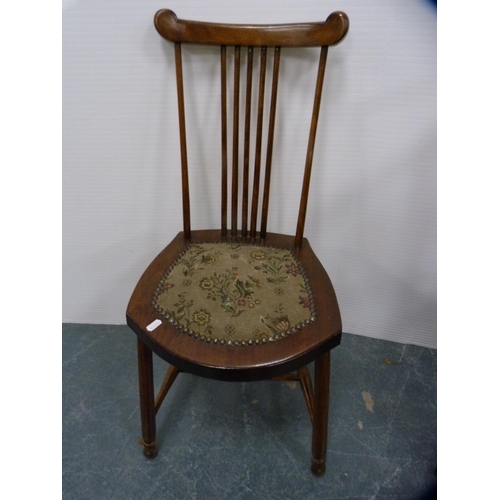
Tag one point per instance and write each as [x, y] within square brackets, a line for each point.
[281, 323]
[196, 248]
[210, 258]
[254, 282]
[235, 256]
[229, 329]
[305, 302]
[187, 282]
[201, 317]
[292, 269]
[276, 265]
[259, 334]
[279, 291]
[207, 283]
[241, 302]
[258, 255]
[167, 286]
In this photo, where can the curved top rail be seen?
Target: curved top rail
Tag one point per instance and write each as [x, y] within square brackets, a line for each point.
[330, 32]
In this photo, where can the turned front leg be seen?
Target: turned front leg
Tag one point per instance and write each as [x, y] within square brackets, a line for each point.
[147, 399]
[320, 413]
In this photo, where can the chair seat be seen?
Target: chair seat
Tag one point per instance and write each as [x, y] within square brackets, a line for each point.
[235, 292]
[236, 308]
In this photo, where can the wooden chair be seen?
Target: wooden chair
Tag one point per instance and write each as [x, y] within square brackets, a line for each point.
[240, 303]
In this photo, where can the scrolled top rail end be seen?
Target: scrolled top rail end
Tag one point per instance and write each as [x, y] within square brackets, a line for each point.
[339, 22]
[165, 19]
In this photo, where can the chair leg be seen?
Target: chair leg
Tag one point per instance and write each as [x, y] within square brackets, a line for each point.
[320, 412]
[147, 399]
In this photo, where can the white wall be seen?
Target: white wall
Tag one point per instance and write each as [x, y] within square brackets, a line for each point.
[372, 214]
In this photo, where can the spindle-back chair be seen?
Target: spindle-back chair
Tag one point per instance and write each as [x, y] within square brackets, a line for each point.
[240, 303]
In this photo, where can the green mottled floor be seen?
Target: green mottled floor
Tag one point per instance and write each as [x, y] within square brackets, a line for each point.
[220, 440]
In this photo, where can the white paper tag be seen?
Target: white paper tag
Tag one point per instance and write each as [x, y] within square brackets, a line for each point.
[155, 324]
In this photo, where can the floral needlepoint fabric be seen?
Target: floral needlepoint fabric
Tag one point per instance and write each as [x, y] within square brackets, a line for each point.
[235, 294]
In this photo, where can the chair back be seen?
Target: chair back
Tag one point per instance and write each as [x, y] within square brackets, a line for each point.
[245, 207]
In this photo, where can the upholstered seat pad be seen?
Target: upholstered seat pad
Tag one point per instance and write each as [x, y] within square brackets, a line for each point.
[235, 293]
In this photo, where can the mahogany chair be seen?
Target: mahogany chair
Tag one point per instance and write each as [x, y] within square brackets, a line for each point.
[240, 303]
